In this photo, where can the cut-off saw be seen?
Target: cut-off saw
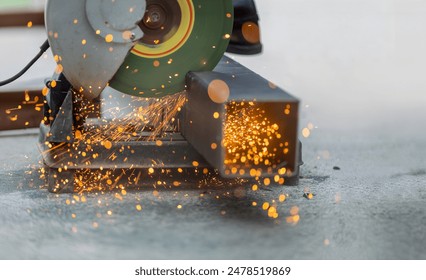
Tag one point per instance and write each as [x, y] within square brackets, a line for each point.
[143, 94]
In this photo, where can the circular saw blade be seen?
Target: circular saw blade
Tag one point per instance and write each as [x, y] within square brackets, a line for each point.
[180, 36]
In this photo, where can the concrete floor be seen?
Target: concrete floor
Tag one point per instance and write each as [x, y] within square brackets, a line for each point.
[358, 68]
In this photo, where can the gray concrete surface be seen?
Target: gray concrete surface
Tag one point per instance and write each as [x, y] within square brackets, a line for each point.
[358, 68]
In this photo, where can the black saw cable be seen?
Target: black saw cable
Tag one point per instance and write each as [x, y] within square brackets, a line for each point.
[43, 49]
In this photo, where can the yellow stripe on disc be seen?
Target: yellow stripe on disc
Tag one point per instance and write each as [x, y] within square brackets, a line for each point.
[172, 44]
[179, 36]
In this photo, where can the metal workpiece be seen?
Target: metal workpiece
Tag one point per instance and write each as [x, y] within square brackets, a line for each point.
[242, 124]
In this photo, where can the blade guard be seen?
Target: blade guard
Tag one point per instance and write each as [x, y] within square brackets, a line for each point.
[90, 39]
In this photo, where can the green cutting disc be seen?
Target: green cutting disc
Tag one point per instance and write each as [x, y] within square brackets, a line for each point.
[179, 36]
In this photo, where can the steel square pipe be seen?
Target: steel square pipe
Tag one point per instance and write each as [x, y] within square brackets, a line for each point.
[242, 124]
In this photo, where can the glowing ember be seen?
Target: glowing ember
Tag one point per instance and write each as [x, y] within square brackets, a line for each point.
[294, 210]
[306, 132]
[251, 33]
[109, 38]
[218, 91]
